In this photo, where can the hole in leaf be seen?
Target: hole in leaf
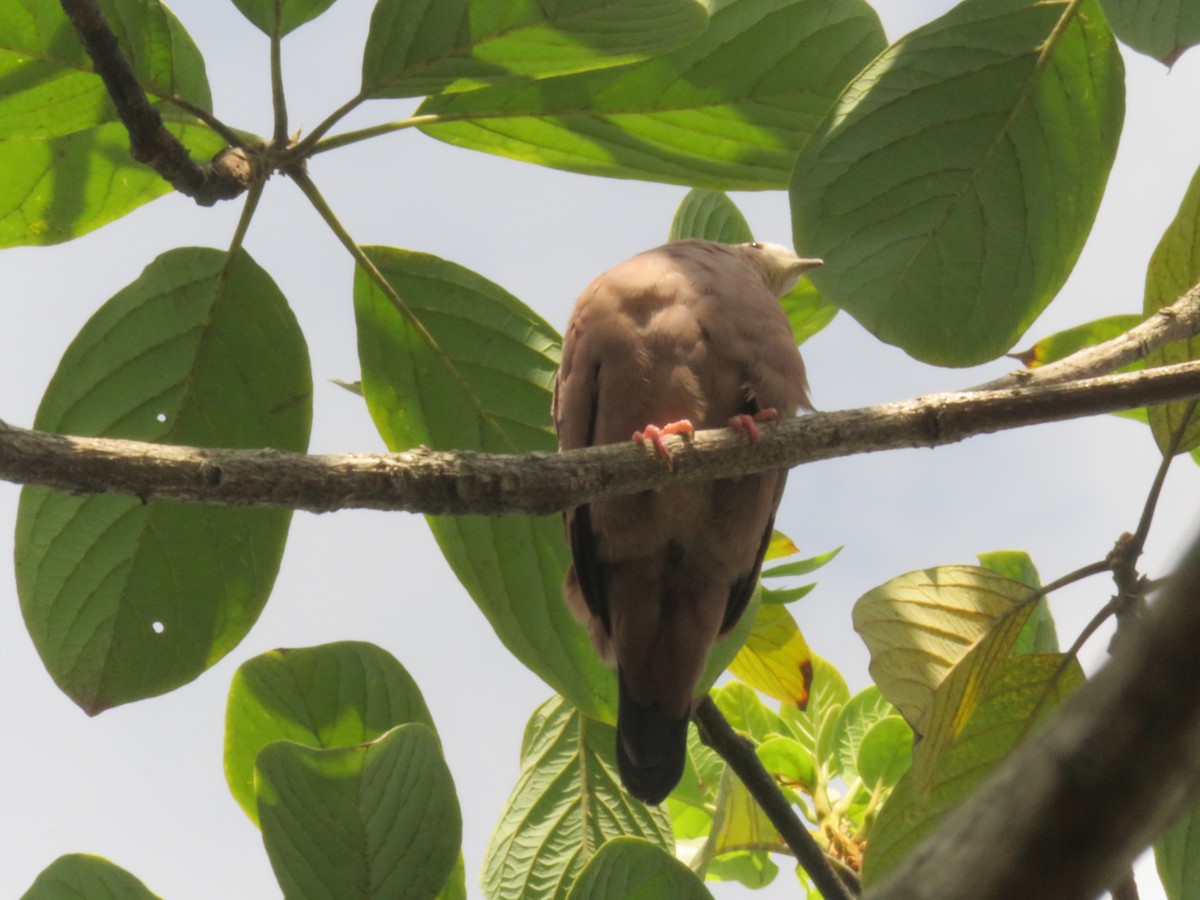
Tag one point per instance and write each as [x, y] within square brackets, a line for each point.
[158, 627]
[162, 417]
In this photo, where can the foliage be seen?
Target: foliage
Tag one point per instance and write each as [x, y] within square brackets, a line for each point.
[949, 180]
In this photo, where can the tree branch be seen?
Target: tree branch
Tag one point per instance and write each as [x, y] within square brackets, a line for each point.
[1171, 323]
[463, 482]
[717, 733]
[230, 172]
[1067, 812]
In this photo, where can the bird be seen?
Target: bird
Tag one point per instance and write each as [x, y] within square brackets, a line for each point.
[686, 336]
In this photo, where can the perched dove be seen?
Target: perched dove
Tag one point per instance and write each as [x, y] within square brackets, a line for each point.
[687, 336]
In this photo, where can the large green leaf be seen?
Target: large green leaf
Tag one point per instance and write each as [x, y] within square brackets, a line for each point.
[58, 189]
[126, 599]
[1028, 687]
[1163, 29]
[467, 366]
[419, 47]
[727, 111]
[78, 876]
[47, 86]
[952, 186]
[1174, 269]
[379, 820]
[635, 869]
[567, 802]
[278, 17]
[334, 695]
[919, 626]
[713, 216]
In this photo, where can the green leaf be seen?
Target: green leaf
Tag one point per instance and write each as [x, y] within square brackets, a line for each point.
[417, 48]
[1028, 688]
[1177, 857]
[713, 216]
[801, 567]
[126, 599]
[722, 654]
[469, 367]
[746, 713]
[1039, 634]
[750, 868]
[58, 189]
[918, 626]
[455, 887]
[807, 311]
[372, 821]
[566, 803]
[49, 87]
[634, 869]
[825, 700]
[861, 712]
[710, 215]
[1064, 343]
[786, 595]
[885, 752]
[789, 760]
[79, 875]
[1015, 565]
[727, 111]
[775, 658]
[1174, 268]
[279, 17]
[741, 826]
[952, 186]
[1163, 29]
[334, 695]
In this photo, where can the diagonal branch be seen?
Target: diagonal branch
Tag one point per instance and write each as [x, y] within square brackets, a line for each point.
[717, 733]
[227, 176]
[461, 482]
[1171, 323]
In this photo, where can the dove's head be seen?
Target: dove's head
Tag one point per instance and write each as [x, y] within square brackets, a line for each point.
[779, 267]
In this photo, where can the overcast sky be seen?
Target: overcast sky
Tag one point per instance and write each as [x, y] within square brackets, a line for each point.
[143, 784]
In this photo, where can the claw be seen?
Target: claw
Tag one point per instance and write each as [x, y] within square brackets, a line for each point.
[749, 424]
[655, 435]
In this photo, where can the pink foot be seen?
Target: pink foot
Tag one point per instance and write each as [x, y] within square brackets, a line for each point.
[748, 424]
[655, 435]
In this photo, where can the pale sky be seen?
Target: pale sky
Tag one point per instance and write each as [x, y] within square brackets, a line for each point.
[143, 784]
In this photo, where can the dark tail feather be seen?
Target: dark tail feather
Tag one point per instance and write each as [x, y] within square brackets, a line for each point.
[651, 749]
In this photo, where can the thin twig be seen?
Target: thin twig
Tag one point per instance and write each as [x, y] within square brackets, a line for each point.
[463, 482]
[229, 173]
[739, 754]
[1160, 477]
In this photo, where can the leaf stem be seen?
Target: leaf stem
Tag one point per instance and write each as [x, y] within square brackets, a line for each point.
[353, 137]
[305, 147]
[278, 98]
[243, 225]
[300, 176]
